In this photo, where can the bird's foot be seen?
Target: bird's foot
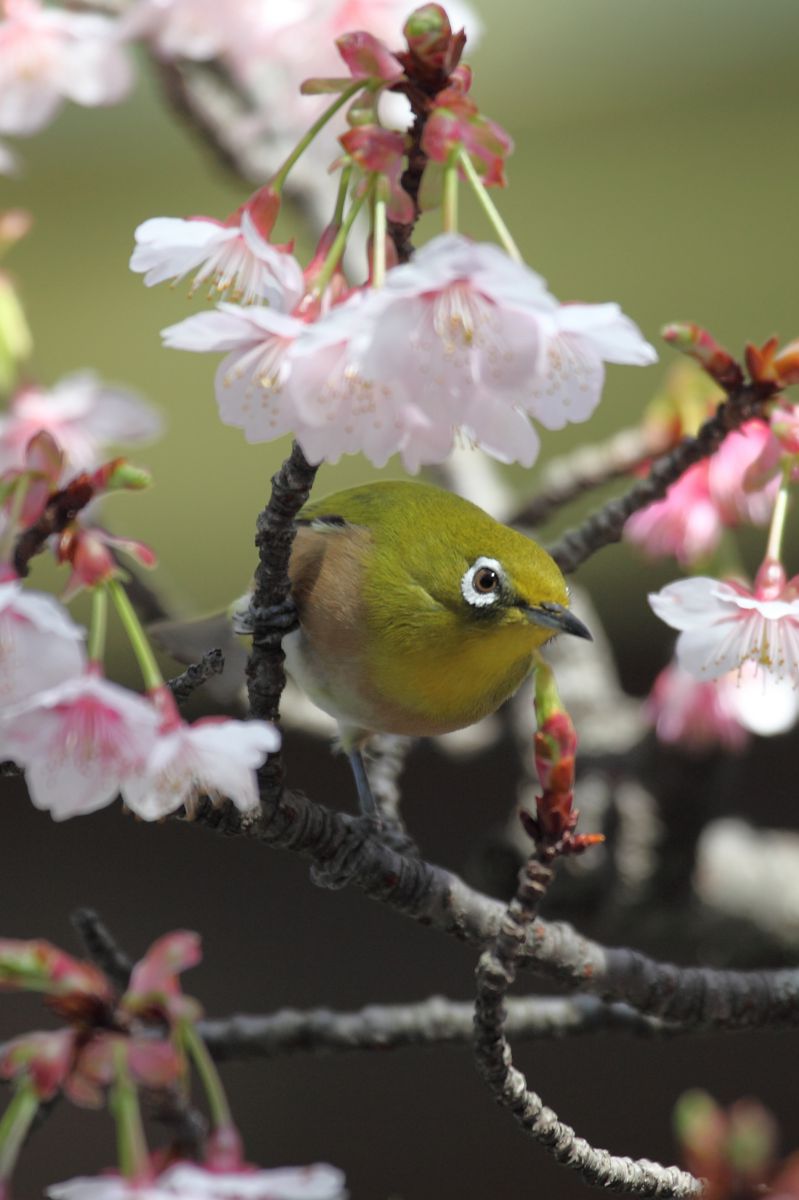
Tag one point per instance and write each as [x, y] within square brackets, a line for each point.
[277, 618]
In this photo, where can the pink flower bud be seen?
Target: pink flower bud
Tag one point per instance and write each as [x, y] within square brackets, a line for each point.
[691, 339]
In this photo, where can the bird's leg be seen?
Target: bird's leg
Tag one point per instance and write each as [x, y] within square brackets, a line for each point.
[366, 800]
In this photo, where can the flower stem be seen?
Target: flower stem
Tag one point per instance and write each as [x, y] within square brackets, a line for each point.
[337, 249]
[15, 512]
[148, 666]
[450, 198]
[124, 1104]
[341, 196]
[379, 228]
[279, 178]
[99, 624]
[209, 1076]
[15, 1125]
[489, 207]
[777, 528]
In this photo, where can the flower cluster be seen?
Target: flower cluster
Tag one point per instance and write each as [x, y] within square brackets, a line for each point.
[112, 1045]
[464, 341]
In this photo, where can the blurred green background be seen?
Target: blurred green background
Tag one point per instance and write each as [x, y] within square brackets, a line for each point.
[655, 165]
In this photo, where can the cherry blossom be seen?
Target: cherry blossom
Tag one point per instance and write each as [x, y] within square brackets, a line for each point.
[194, 29]
[764, 704]
[214, 756]
[462, 338]
[40, 645]
[108, 1187]
[79, 742]
[685, 524]
[695, 714]
[48, 55]
[724, 625]
[234, 256]
[82, 415]
[688, 522]
[317, 1182]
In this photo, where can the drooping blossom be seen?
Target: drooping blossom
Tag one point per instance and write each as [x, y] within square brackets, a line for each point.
[696, 714]
[214, 756]
[107, 1187]
[78, 743]
[461, 338]
[82, 415]
[40, 645]
[724, 625]
[233, 257]
[49, 55]
[687, 524]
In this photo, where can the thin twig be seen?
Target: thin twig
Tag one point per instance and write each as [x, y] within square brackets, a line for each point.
[428, 1023]
[184, 685]
[496, 972]
[604, 527]
[567, 478]
[101, 946]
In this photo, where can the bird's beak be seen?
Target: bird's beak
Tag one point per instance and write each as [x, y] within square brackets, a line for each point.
[557, 617]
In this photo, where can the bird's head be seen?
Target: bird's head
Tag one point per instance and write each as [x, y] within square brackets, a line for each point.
[513, 582]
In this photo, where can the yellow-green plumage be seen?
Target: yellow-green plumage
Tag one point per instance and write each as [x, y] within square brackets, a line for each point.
[388, 640]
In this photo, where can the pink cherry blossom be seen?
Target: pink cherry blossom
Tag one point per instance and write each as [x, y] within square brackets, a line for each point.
[214, 756]
[194, 29]
[685, 524]
[736, 500]
[79, 742]
[40, 645]
[48, 55]
[233, 257]
[316, 1182]
[696, 714]
[724, 625]
[84, 417]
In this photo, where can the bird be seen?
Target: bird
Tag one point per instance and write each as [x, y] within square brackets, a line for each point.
[419, 614]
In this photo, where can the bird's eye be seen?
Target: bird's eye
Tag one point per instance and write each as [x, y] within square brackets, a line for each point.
[485, 580]
[482, 583]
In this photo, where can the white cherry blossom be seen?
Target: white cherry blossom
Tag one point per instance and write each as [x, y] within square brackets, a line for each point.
[214, 756]
[316, 1182]
[233, 257]
[48, 55]
[723, 626]
[40, 645]
[78, 743]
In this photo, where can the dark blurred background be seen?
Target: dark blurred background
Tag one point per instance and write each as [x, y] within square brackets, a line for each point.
[656, 166]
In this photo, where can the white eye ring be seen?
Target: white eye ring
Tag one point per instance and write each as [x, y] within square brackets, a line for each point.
[470, 592]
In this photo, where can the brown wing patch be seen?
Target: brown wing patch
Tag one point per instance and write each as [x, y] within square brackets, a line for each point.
[326, 572]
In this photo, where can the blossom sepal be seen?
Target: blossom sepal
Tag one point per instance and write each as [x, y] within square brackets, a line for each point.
[39, 966]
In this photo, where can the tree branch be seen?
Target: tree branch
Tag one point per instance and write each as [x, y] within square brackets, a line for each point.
[567, 478]
[184, 685]
[347, 850]
[272, 613]
[605, 526]
[430, 1022]
[496, 971]
[102, 947]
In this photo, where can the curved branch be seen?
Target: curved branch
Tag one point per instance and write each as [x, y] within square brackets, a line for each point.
[350, 853]
[605, 526]
[496, 972]
[430, 1022]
